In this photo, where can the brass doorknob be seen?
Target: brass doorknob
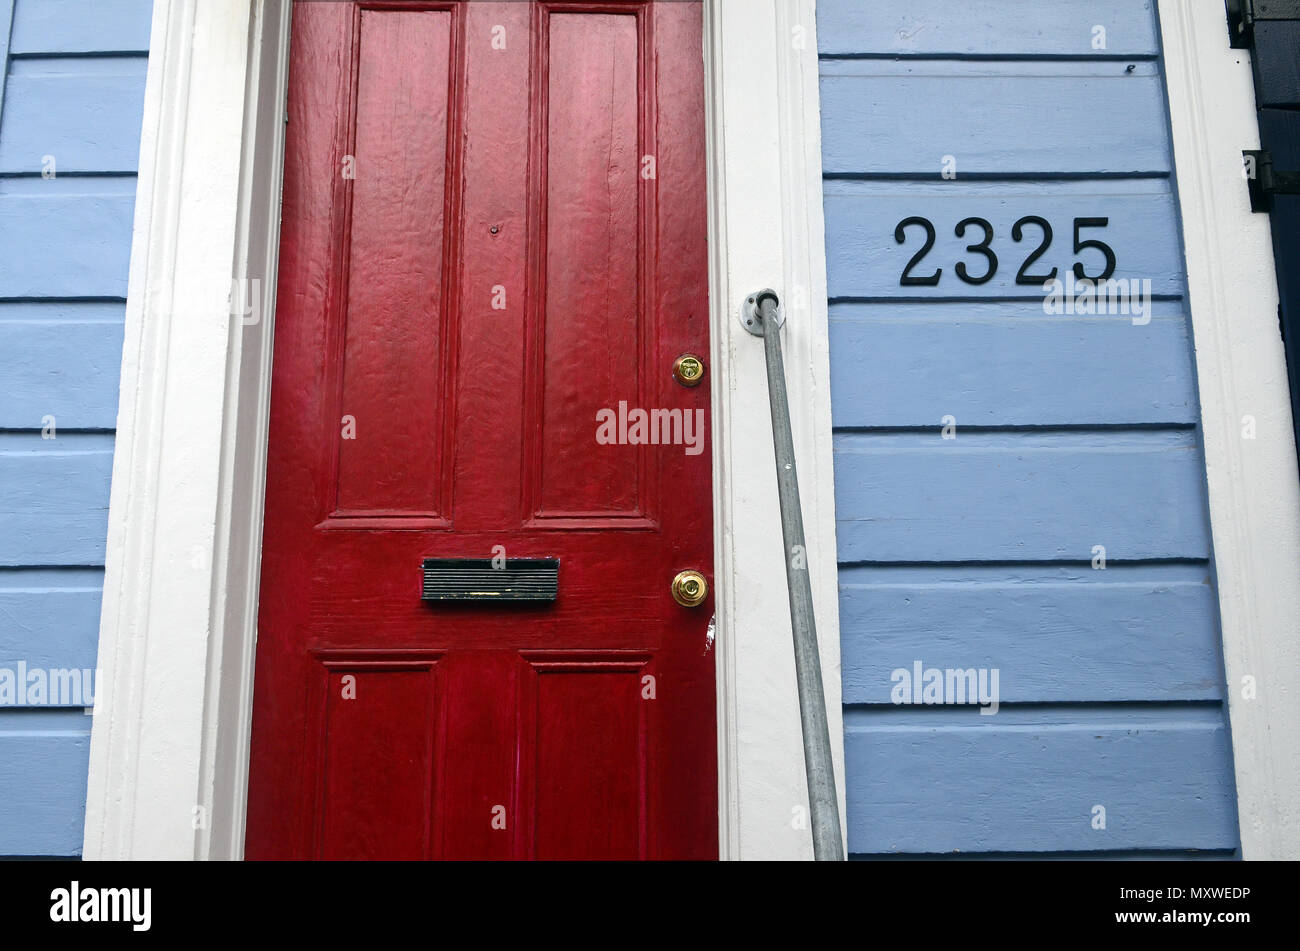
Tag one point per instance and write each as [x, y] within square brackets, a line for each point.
[688, 370]
[690, 588]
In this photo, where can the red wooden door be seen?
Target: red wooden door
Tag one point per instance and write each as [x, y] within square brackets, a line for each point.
[493, 235]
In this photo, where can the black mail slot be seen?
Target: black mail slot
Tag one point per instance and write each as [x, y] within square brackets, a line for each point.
[476, 579]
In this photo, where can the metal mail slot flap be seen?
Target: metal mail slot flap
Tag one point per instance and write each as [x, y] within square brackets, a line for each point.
[475, 579]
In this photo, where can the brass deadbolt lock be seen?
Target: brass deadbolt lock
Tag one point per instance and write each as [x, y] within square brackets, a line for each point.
[688, 370]
[690, 589]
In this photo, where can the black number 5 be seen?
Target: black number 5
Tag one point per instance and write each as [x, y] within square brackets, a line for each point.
[907, 280]
[981, 248]
[1093, 243]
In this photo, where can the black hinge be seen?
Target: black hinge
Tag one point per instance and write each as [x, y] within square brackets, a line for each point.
[1244, 14]
[1266, 180]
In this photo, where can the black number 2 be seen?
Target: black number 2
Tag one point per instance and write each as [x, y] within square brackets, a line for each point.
[981, 248]
[907, 280]
[1017, 233]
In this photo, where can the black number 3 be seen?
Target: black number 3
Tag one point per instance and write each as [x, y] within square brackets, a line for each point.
[907, 280]
[981, 248]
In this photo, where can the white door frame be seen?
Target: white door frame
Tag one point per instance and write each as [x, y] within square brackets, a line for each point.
[169, 745]
[1254, 489]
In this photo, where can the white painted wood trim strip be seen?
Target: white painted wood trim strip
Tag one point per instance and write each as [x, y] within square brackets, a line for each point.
[228, 713]
[766, 230]
[177, 626]
[1254, 489]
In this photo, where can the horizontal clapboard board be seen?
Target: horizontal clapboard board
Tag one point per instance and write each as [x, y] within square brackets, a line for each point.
[64, 360]
[1003, 119]
[987, 28]
[73, 115]
[46, 753]
[1057, 634]
[935, 779]
[75, 26]
[909, 364]
[50, 617]
[67, 237]
[54, 498]
[1015, 496]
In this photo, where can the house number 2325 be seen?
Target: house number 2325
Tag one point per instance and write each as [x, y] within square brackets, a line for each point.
[1019, 232]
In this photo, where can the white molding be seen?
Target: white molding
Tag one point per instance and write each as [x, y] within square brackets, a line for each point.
[766, 230]
[169, 742]
[228, 712]
[178, 628]
[1254, 488]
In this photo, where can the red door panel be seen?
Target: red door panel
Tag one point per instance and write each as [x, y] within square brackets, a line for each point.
[493, 233]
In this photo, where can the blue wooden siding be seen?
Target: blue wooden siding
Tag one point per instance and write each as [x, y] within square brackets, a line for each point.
[1071, 431]
[72, 78]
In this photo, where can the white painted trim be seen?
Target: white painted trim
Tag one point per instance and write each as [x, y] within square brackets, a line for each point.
[1254, 489]
[766, 230]
[178, 628]
[168, 756]
[228, 713]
